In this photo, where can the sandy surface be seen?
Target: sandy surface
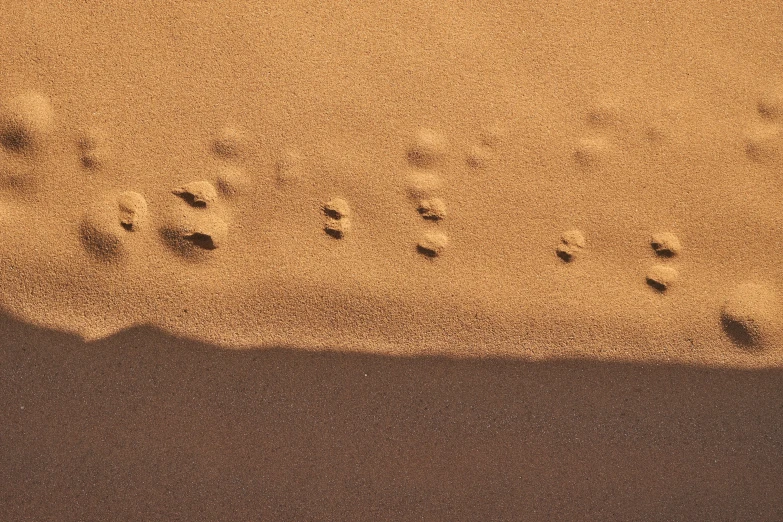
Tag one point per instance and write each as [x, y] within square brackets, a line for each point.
[146, 427]
[506, 260]
[528, 181]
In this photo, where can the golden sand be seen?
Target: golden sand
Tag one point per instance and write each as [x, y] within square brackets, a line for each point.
[526, 181]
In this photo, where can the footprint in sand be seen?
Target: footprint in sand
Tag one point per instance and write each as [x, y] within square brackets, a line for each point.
[483, 153]
[432, 244]
[26, 123]
[598, 144]
[662, 276]
[230, 144]
[428, 149]
[764, 138]
[193, 235]
[750, 315]
[93, 150]
[232, 181]
[665, 244]
[196, 229]
[106, 228]
[432, 209]
[289, 167]
[427, 152]
[338, 217]
[572, 243]
[199, 194]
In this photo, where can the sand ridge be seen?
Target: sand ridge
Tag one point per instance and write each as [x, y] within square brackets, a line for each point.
[596, 216]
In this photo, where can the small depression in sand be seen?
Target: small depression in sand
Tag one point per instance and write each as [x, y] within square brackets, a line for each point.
[662, 277]
[572, 242]
[432, 209]
[194, 235]
[432, 244]
[764, 142]
[197, 193]
[230, 143]
[593, 151]
[338, 217]
[751, 315]
[424, 185]
[232, 181]
[26, 122]
[105, 228]
[770, 104]
[665, 244]
[480, 156]
[92, 149]
[427, 150]
[289, 167]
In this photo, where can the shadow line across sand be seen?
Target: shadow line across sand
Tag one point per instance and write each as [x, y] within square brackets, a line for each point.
[143, 426]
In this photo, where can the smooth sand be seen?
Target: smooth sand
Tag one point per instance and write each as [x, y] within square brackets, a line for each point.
[147, 427]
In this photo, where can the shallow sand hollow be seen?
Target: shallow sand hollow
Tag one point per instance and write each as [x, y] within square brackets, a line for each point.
[531, 181]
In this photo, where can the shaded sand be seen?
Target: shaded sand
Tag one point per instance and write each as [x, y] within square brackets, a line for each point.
[142, 426]
[527, 181]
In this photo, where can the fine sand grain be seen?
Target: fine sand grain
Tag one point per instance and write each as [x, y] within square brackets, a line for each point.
[525, 180]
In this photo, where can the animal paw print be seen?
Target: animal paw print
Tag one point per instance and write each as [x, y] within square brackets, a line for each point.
[338, 217]
[764, 139]
[425, 155]
[662, 276]
[107, 228]
[27, 125]
[289, 168]
[483, 153]
[601, 140]
[572, 243]
[93, 150]
[198, 228]
[231, 148]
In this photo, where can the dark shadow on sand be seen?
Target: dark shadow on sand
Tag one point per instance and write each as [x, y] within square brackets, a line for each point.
[146, 427]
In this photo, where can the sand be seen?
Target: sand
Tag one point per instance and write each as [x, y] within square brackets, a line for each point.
[534, 182]
[391, 260]
[147, 427]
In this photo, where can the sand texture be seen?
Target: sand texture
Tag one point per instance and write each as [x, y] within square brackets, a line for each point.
[526, 180]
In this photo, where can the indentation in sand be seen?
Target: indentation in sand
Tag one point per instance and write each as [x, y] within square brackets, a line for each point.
[432, 244]
[763, 142]
[104, 227]
[751, 315]
[424, 185]
[770, 103]
[432, 209]
[479, 156]
[26, 120]
[427, 150]
[338, 217]
[93, 151]
[289, 167]
[192, 235]
[665, 244]
[571, 243]
[197, 193]
[661, 277]
[132, 210]
[230, 143]
[232, 181]
[591, 151]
